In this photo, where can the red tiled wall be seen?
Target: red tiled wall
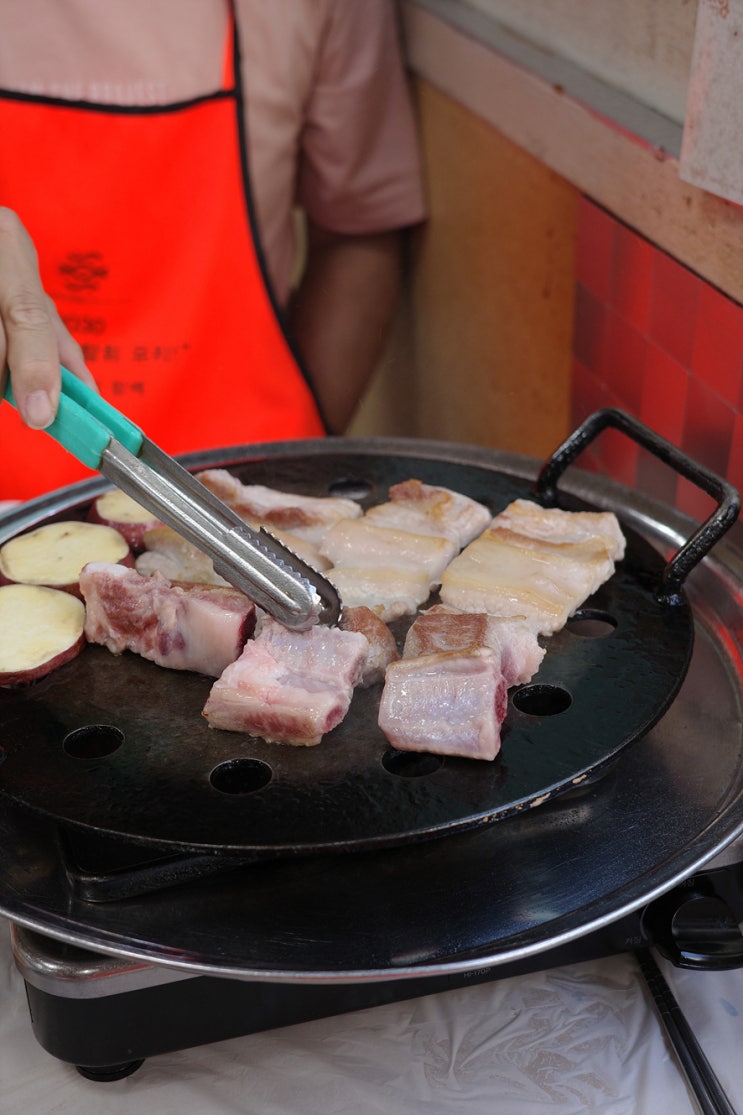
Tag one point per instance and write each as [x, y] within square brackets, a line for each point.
[654, 339]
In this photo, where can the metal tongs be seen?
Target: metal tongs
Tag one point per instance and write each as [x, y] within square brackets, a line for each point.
[252, 560]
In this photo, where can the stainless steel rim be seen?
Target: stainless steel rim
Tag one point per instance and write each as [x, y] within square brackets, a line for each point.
[686, 777]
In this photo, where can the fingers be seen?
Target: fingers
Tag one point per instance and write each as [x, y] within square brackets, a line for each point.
[70, 353]
[32, 337]
[29, 342]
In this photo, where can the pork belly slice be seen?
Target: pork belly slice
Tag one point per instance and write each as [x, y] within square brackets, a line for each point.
[382, 646]
[443, 629]
[392, 572]
[287, 686]
[496, 576]
[388, 591]
[362, 544]
[427, 509]
[308, 517]
[555, 525]
[180, 626]
[507, 573]
[450, 703]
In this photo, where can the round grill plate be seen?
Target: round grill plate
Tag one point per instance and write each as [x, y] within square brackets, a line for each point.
[117, 745]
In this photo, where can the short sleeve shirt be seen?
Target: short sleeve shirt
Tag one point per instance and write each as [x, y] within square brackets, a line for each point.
[329, 118]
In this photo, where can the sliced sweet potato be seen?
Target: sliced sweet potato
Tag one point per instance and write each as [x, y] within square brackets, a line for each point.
[116, 509]
[40, 629]
[53, 554]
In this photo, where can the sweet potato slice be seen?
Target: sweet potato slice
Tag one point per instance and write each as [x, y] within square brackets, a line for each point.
[40, 629]
[116, 509]
[53, 554]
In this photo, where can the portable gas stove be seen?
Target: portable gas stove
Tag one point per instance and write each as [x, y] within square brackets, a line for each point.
[169, 885]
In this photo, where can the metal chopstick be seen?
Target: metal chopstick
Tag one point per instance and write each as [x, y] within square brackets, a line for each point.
[706, 1088]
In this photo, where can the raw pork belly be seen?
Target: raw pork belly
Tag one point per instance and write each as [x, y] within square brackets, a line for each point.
[426, 509]
[393, 558]
[287, 686]
[442, 629]
[537, 563]
[390, 571]
[308, 517]
[362, 544]
[382, 646]
[180, 626]
[450, 703]
[388, 591]
[554, 525]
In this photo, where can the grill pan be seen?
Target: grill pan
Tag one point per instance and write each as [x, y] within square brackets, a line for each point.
[117, 746]
[493, 895]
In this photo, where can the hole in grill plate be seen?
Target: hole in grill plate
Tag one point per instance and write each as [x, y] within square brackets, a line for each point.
[411, 764]
[591, 624]
[348, 488]
[241, 776]
[542, 700]
[94, 741]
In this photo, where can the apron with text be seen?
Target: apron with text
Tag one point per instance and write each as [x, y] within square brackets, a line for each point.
[145, 235]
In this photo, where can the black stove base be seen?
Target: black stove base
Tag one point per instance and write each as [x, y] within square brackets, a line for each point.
[107, 1031]
[109, 1037]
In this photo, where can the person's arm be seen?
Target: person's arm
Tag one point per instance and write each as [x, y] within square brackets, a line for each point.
[33, 339]
[341, 313]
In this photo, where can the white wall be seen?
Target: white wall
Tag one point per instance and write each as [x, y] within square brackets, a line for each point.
[604, 141]
[641, 47]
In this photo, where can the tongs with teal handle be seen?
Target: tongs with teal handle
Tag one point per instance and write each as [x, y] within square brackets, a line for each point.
[253, 561]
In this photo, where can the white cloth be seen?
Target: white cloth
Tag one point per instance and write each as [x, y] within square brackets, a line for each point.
[563, 1041]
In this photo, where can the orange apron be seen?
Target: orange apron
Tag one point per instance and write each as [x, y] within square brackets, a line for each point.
[145, 231]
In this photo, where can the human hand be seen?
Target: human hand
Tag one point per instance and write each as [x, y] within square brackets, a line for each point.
[33, 339]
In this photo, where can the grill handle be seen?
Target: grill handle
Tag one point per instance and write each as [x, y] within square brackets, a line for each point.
[708, 534]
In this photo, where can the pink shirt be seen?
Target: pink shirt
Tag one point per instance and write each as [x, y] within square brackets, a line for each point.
[329, 120]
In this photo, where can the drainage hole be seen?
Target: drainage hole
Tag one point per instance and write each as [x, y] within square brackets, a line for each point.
[542, 700]
[94, 741]
[411, 764]
[348, 488]
[241, 776]
[591, 624]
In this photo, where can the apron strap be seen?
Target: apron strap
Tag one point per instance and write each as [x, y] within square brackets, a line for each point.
[229, 62]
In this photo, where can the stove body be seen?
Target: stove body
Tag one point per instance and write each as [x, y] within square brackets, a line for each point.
[106, 1015]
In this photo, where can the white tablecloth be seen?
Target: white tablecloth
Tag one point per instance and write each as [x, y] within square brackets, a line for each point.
[563, 1042]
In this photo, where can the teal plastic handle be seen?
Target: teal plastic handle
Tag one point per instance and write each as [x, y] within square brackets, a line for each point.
[85, 423]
